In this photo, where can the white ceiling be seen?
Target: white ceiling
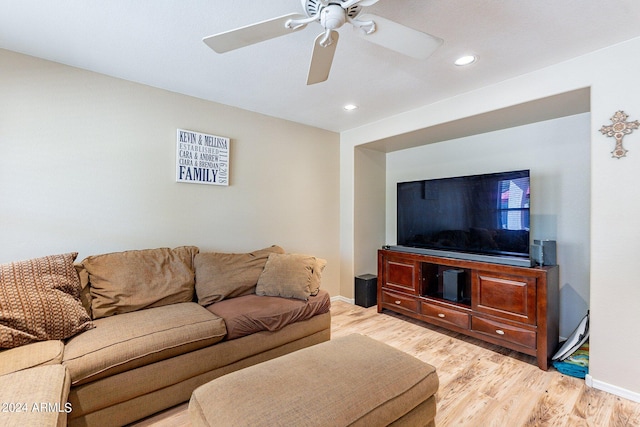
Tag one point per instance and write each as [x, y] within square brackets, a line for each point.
[159, 43]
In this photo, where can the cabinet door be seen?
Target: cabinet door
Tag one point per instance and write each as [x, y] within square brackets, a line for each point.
[506, 297]
[402, 275]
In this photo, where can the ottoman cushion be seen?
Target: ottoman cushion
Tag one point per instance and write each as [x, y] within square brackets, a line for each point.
[348, 381]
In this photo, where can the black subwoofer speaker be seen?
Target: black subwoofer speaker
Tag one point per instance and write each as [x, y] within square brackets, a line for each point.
[366, 290]
[453, 285]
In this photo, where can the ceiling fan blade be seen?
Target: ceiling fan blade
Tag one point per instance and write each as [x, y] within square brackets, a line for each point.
[251, 34]
[321, 59]
[400, 38]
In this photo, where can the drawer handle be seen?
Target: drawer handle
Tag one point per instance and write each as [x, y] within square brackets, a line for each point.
[441, 315]
[398, 302]
[499, 332]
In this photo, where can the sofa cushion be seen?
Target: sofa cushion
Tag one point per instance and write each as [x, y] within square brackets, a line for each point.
[39, 300]
[252, 313]
[287, 275]
[35, 397]
[127, 281]
[227, 275]
[31, 355]
[127, 341]
[170, 382]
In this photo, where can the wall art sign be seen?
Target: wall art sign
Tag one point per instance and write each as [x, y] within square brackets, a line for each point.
[202, 158]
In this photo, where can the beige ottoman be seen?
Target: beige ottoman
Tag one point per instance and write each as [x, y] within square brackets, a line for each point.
[348, 381]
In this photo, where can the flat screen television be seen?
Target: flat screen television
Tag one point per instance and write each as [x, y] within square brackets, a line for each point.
[478, 217]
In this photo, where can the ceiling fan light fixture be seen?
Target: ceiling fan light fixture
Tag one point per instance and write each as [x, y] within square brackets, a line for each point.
[465, 60]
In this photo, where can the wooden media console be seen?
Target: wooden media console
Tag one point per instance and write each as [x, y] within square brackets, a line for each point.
[514, 307]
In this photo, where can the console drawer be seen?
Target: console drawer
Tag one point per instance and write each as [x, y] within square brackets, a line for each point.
[398, 300]
[445, 315]
[504, 332]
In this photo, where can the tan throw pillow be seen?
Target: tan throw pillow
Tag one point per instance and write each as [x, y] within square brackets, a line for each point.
[224, 275]
[316, 279]
[127, 281]
[287, 275]
[40, 300]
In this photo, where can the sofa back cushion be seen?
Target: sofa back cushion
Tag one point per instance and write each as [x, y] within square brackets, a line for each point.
[228, 275]
[127, 281]
[85, 291]
[316, 278]
[39, 300]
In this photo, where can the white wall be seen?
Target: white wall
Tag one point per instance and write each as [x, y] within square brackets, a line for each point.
[611, 74]
[87, 164]
[559, 189]
[369, 226]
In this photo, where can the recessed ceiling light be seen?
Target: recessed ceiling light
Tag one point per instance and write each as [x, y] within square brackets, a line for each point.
[466, 60]
[350, 107]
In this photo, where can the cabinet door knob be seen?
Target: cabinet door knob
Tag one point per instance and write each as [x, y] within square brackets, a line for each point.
[398, 302]
[499, 332]
[440, 315]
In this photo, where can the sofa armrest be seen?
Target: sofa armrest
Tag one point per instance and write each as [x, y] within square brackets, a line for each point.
[31, 355]
[36, 397]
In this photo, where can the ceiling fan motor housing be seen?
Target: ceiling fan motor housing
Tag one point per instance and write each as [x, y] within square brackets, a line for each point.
[332, 17]
[312, 7]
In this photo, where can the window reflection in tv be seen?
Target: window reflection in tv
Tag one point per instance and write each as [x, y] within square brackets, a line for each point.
[484, 214]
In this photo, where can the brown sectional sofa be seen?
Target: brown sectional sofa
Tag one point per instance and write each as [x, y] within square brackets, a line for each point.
[153, 325]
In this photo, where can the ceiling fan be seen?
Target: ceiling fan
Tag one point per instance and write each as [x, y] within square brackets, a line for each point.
[331, 15]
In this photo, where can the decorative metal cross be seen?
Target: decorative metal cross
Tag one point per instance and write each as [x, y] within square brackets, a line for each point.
[618, 130]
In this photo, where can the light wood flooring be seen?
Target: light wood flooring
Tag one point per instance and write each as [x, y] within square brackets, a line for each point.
[480, 384]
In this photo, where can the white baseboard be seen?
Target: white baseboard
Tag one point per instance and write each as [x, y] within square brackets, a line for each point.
[343, 299]
[609, 388]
